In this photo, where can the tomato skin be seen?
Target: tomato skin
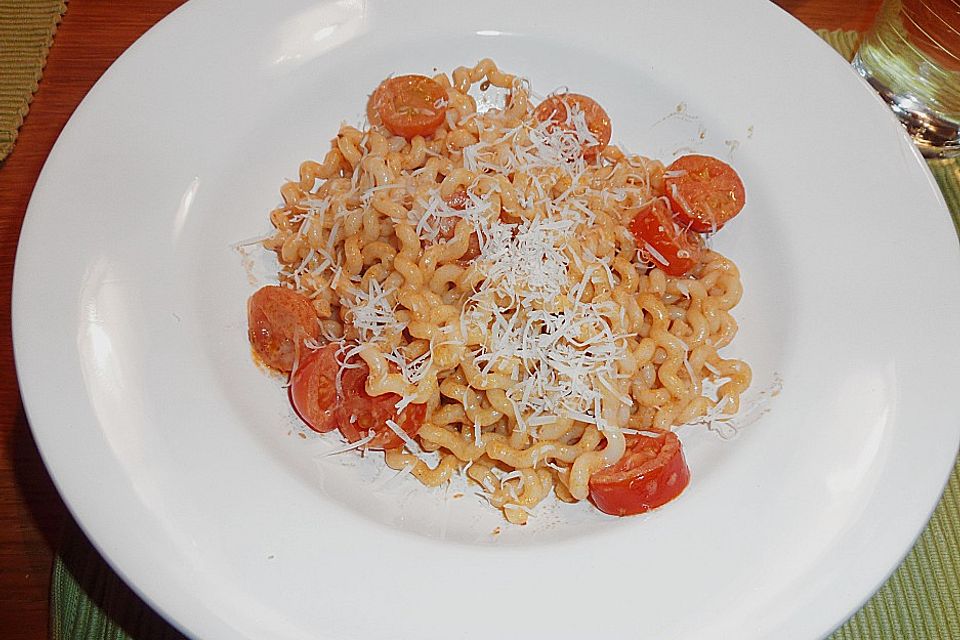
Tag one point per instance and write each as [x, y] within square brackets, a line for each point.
[313, 388]
[707, 194]
[409, 106]
[278, 320]
[554, 109]
[654, 225]
[314, 396]
[651, 473]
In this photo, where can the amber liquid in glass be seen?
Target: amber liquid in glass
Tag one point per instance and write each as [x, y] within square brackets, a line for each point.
[912, 57]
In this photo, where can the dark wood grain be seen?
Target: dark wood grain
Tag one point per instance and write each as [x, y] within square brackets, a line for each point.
[93, 34]
[854, 15]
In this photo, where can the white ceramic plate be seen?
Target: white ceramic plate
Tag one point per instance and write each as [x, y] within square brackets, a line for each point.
[184, 464]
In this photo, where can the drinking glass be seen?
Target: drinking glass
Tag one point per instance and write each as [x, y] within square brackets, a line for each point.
[911, 57]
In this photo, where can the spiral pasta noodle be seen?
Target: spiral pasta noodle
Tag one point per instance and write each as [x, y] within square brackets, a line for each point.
[487, 272]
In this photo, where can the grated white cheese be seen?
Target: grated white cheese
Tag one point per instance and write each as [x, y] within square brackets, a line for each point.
[533, 321]
[656, 255]
[528, 308]
[409, 442]
[373, 314]
[349, 447]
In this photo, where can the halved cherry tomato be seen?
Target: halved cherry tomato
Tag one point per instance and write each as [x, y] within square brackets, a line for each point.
[554, 110]
[313, 388]
[409, 105]
[278, 320]
[706, 193]
[651, 473]
[354, 412]
[674, 250]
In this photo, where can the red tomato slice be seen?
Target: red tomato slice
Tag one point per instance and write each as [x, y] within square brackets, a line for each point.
[651, 473]
[354, 412]
[706, 194]
[674, 250]
[554, 110]
[409, 105]
[278, 320]
[313, 388]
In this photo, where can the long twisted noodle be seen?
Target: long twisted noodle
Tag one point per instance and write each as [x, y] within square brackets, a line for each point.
[444, 303]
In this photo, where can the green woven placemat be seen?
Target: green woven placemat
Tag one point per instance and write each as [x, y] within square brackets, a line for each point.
[26, 33]
[88, 601]
[921, 601]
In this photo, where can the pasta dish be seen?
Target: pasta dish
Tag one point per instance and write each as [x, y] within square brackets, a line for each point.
[499, 292]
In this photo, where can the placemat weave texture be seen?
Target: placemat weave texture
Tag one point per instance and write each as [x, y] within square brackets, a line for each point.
[921, 600]
[26, 33]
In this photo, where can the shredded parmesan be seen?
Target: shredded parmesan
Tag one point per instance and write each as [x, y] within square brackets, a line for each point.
[350, 447]
[373, 312]
[536, 331]
[656, 255]
[409, 442]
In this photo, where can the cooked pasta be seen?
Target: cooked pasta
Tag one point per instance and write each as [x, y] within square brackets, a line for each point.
[485, 279]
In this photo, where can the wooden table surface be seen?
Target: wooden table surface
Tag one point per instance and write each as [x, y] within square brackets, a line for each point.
[93, 34]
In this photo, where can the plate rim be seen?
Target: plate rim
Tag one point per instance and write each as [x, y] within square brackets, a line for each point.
[19, 321]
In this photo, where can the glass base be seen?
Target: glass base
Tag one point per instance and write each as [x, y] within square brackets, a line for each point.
[934, 136]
